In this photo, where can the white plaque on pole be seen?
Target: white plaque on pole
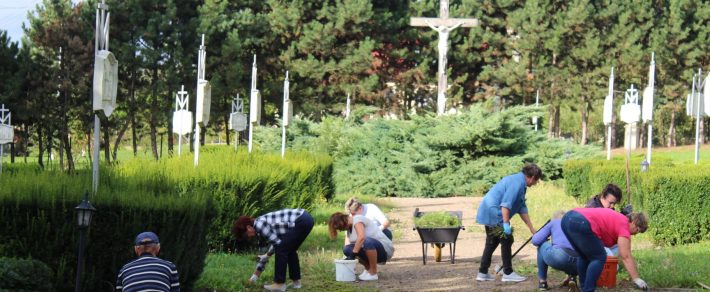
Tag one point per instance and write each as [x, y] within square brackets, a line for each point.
[182, 122]
[204, 98]
[105, 82]
[288, 112]
[255, 107]
[647, 113]
[237, 122]
[6, 134]
[706, 94]
[631, 111]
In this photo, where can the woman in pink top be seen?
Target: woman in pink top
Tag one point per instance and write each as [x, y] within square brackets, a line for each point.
[589, 230]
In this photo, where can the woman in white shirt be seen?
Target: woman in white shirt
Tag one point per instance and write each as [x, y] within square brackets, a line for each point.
[371, 211]
[364, 240]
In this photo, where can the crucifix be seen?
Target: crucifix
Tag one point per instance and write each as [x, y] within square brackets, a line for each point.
[443, 25]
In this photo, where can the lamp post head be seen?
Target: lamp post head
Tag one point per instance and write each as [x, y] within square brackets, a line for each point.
[84, 212]
[644, 166]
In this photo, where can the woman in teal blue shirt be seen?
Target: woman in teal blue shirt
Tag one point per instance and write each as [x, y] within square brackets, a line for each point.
[500, 204]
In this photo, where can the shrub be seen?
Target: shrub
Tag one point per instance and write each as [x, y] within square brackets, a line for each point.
[428, 156]
[24, 274]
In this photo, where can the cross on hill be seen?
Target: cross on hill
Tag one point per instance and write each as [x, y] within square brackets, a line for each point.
[443, 25]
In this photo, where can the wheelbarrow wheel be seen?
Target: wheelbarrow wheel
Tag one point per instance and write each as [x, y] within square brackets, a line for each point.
[437, 251]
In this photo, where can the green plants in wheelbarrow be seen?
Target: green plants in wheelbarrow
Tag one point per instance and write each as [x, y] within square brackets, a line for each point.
[437, 229]
[437, 219]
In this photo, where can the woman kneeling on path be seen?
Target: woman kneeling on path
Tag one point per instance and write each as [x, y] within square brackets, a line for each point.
[557, 253]
[589, 230]
[364, 240]
[372, 212]
[286, 230]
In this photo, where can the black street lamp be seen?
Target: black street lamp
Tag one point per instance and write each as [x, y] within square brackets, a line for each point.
[84, 212]
[644, 166]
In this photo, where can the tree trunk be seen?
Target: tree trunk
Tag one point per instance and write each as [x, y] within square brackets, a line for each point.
[583, 112]
[26, 141]
[49, 145]
[119, 137]
[60, 152]
[107, 141]
[701, 136]
[671, 130]
[40, 143]
[171, 139]
[553, 130]
[226, 128]
[67, 149]
[132, 114]
[12, 152]
[154, 115]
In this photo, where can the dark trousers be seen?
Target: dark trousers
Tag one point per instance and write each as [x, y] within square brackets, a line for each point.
[287, 251]
[592, 255]
[492, 242]
[387, 233]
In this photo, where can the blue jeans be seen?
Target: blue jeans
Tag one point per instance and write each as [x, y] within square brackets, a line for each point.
[287, 252]
[555, 257]
[592, 255]
[369, 244]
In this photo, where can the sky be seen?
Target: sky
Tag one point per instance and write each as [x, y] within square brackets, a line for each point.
[12, 14]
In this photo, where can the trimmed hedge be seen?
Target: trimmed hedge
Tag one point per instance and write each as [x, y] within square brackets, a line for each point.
[190, 208]
[674, 196]
[38, 221]
[24, 275]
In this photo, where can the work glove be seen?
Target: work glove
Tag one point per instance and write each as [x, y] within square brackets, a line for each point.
[628, 209]
[350, 257]
[263, 258]
[640, 283]
[506, 229]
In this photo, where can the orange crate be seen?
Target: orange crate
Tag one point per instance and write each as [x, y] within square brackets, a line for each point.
[608, 276]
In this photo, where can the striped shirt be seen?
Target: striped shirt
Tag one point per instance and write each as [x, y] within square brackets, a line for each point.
[148, 273]
[277, 223]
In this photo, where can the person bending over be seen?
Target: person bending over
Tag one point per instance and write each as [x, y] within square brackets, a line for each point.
[286, 230]
[501, 203]
[589, 230]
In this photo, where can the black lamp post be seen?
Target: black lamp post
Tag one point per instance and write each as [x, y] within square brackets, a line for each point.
[644, 166]
[84, 212]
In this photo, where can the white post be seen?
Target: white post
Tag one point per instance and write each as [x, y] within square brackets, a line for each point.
[696, 95]
[608, 143]
[197, 144]
[95, 172]
[609, 112]
[0, 158]
[347, 107]
[284, 118]
[283, 141]
[179, 144]
[251, 134]
[649, 144]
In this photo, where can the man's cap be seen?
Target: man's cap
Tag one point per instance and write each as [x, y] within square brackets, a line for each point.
[147, 238]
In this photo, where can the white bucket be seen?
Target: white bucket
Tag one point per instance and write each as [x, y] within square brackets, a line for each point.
[345, 270]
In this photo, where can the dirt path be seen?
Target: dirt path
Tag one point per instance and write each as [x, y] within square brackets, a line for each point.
[405, 272]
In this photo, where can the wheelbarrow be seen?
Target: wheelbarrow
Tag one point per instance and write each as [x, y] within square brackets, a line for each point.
[439, 236]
